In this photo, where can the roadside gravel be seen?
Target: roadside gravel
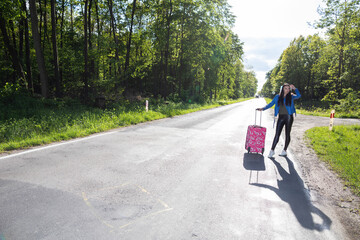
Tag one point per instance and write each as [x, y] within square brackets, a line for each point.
[322, 182]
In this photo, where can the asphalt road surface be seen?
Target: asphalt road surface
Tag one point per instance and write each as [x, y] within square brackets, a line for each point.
[187, 177]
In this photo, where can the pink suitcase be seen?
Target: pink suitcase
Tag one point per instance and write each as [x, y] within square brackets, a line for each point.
[255, 137]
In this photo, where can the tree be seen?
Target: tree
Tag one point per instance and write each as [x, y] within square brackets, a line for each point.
[6, 15]
[14, 56]
[182, 49]
[337, 18]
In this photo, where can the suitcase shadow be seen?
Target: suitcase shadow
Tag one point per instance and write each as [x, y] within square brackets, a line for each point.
[254, 162]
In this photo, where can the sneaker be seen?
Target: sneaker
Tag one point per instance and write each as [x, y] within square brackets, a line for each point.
[271, 154]
[283, 153]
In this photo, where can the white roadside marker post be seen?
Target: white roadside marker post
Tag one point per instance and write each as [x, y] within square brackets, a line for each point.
[332, 115]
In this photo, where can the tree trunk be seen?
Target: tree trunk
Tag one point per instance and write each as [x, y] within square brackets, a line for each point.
[62, 24]
[14, 56]
[71, 15]
[86, 90]
[98, 36]
[307, 92]
[55, 50]
[340, 66]
[92, 61]
[113, 27]
[62, 38]
[41, 18]
[39, 53]
[27, 49]
[46, 36]
[181, 54]
[21, 38]
[127, 59]
[169, 16]
[11, 23]
[341, 52]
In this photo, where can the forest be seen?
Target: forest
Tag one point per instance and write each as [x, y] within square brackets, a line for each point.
[181, 50]
[325, 68]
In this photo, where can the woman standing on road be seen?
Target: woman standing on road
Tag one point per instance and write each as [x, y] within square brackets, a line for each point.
[284, 106]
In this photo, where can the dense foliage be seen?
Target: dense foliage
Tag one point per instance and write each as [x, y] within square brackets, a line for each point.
[326, 68]
[178, 49]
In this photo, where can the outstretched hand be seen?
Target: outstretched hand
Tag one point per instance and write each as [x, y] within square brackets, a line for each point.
[259, 109]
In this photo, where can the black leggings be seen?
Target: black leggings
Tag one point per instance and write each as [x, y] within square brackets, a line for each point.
[286, 120]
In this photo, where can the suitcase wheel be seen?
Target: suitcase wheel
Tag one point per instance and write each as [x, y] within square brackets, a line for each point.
[262, 151]
[248, 149]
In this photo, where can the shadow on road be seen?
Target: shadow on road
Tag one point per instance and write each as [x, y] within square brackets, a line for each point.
[291, 190]
[254, 162]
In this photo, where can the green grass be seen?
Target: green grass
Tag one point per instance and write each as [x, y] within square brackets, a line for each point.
[325, 112]
[340, 148]
[30, 122]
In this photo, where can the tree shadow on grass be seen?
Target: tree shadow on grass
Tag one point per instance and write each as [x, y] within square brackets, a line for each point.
[291, 190]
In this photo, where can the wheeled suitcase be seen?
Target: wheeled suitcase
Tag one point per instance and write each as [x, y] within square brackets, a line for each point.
[255, 137]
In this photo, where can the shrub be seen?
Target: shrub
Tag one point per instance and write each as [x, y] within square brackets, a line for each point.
[350, 102]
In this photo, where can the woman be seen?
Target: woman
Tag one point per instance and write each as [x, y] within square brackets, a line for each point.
[284, 106]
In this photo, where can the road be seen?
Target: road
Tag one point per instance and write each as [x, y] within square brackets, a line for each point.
[186, 177]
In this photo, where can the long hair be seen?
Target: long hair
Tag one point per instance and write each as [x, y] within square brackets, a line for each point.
[281, 96]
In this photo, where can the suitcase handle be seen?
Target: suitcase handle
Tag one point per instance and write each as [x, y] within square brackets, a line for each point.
[260, 116]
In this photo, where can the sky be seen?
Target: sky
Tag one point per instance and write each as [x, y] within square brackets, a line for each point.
[266, 27]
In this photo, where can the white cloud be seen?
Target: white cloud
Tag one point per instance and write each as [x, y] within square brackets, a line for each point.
[262, 53]
[267, 28]
[275, 18]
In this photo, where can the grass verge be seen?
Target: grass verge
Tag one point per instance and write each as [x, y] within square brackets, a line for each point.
[340, 148]
[43, 123]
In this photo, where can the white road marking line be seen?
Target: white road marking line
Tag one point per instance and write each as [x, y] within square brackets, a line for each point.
[56, 145]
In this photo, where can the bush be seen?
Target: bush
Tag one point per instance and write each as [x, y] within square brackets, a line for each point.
[350, 103]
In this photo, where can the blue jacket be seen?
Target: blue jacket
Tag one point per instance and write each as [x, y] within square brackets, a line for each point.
[290, 109]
